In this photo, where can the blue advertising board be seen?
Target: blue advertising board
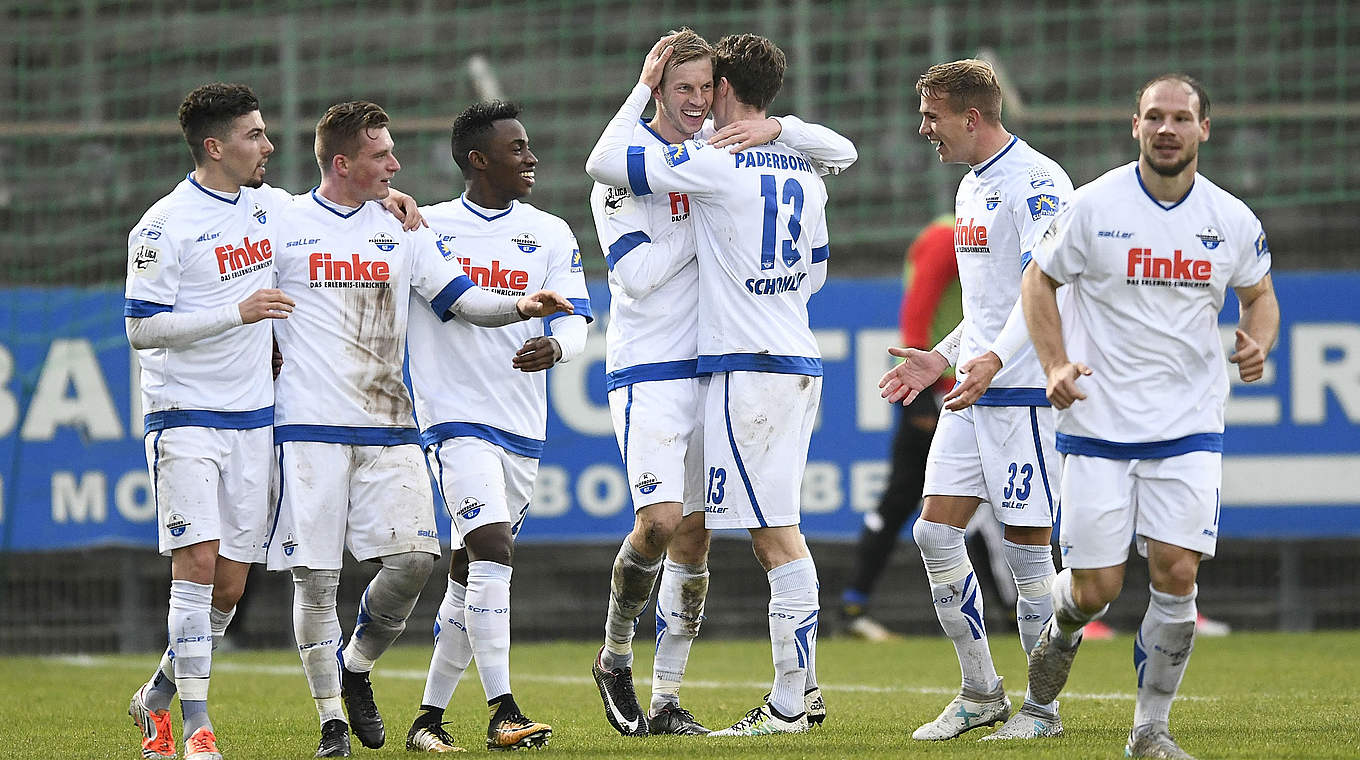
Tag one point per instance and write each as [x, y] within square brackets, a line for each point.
[72, 471]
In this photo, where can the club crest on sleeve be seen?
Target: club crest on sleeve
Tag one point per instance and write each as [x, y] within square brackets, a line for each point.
[1042, 204]
[526, 242]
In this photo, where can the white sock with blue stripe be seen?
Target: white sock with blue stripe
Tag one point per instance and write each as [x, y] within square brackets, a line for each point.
[793, 632]
[1160, 654]
[1032, 568]
[958, 601]
[679, 613]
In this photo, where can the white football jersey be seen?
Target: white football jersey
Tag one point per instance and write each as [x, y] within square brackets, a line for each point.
[461, 373]
[648, 245]
[1146, 283]
[194, 250]
[1003, 207]
[350, 272]
[761, 224]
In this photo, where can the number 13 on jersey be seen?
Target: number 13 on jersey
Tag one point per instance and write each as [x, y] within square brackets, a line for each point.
[793, 196]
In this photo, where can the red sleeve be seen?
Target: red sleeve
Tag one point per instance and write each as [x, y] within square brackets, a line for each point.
[933, 267]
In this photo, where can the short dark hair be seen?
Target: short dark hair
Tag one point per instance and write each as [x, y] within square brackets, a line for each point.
[753, 65]
[337, 133]
[474, 124]
[209, 110]
[964, 84]
[1185, 79]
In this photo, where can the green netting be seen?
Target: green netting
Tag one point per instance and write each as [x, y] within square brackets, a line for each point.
[88, 138]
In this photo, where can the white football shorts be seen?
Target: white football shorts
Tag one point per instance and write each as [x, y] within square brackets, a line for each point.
[211, 484]
[660, 432]
[1004, 455]
[759, 425]
[373, 500]
[1174, 500]
[481, 483]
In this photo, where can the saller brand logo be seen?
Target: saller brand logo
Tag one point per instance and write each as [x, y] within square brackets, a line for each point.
[234, 261]
[1146, 269]
[495, 277]
[970, 237]
[327, 271]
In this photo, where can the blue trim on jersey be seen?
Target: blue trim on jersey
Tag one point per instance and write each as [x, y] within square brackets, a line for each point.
[354, 436]
[205, 418]
[511, 442]
[736, 455]
[621, 247]
[582, 309]
[1025, 258]
[653, 132]
[451, 293]
[473, 209]
[1011, 397]
[1137, 172]
[1039, 455]
[333, 207]
[278, 503]
[680, 369]
[783, 365]
[978, 171]
[439, 480]
[821, 253]
[637, 170]
[137, 309]
[231, 200]
[1095, 447]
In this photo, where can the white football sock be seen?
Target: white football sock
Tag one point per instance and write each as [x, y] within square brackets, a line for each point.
[488, 624]
[958, 601]
[1032, 568]
[793, 632]
[679, 613]
[629, 590]
[316, 627]
[452, 648]
[1160, 654]
[1068, 618]
[385, 606]
[191, 638]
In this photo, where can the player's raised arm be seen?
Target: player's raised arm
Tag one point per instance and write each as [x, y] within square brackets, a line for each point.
[611, 161]
[828, 150]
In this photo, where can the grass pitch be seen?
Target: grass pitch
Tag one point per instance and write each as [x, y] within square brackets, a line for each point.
[1245, 696]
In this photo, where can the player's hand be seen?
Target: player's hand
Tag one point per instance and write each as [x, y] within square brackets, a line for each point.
[655, 63]
[405, 208]
[1249, 357]
[265, 303]
[543, 303]
[276, 360]
[978, 377]
[537, 354]
[746, 133]
[1062, 384]
[919, 370]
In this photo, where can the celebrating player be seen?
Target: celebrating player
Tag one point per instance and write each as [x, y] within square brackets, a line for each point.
[1135, 366]
[994, 441]
[199, 287]
[655, 394]
[351, 473]
[481, 399]
[761, 244]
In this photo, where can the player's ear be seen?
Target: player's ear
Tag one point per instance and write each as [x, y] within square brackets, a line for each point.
[477, 159]
[1135, 126]
[212, 148]
[1204, 130]
[340, 165]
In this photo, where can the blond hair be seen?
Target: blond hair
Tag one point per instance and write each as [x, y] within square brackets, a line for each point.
[964, 84]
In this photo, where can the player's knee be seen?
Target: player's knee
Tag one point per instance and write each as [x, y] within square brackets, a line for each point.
[655, 526]
[227, 592]
[491, 543]
[689, 545]
[315, 589]
[409, 570]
